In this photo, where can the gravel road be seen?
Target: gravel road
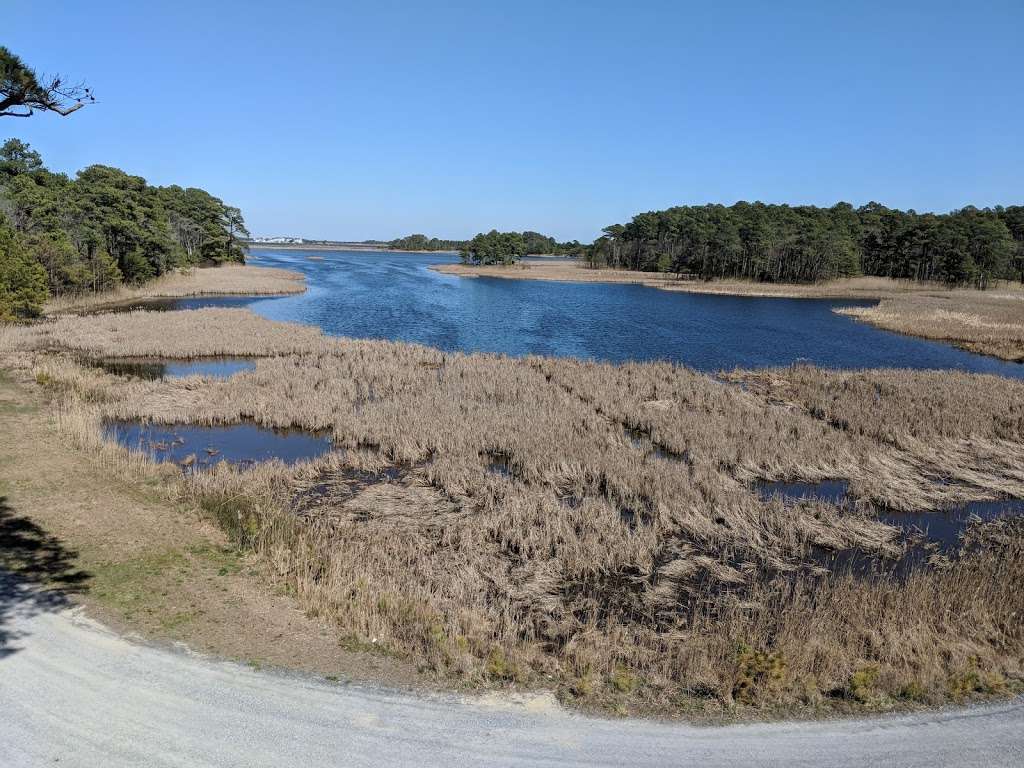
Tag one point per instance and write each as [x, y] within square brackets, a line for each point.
[74, 693]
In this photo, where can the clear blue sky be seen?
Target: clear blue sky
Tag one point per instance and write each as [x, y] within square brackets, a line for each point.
[377, 119]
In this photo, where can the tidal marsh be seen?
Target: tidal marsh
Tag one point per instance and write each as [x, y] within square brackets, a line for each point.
[623, 554]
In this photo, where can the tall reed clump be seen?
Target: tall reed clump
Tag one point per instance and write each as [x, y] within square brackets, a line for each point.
[594, 527]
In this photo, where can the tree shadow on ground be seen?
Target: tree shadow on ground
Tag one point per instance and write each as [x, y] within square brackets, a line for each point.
[37, 574]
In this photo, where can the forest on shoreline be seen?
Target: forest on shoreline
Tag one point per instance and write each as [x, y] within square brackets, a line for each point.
[804, 244]
[533, 243]
[782, 244]
[64, 236]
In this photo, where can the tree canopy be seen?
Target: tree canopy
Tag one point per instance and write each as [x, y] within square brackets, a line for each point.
[533, 242]
[102, 228]
[494, 248]
[22, 91]
[782, 243]
[22, 280]
[423, 243]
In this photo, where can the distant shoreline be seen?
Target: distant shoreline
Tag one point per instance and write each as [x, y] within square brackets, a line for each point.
[334, 247]
[383, 248]
[576, 272]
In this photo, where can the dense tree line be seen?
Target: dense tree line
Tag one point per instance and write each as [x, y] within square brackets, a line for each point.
[782, 243]
[1013, 218]
[102, 228]
[424, 243]
[533, 242]
[539, 244]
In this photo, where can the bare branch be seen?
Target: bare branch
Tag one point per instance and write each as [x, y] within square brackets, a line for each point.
[66, 112]
[20, 86]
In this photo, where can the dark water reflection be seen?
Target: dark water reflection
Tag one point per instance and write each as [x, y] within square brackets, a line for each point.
[149, 368]
[166, 305]
[396, 296]
[200, 446]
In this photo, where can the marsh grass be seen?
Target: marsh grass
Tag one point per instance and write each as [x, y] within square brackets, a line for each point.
[211, 332]
[987, 322]
[225, 280]
[621, 553]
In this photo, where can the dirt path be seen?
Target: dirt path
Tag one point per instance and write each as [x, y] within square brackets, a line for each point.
[143, 565]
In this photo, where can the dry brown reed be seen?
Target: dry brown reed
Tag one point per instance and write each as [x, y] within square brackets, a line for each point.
[206, 332]
[591, 526]
[225, 280]
[987, 322]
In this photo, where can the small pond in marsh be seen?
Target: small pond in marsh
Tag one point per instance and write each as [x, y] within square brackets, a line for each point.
[156, 368]
[201, 446]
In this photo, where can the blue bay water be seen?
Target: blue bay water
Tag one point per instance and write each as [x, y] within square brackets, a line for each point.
[386, 295]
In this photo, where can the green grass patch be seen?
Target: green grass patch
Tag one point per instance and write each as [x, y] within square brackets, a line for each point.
[355, 644]
[226, 560]
[128, 586]
[176, 620]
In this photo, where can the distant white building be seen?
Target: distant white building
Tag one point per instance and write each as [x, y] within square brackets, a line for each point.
[279, 240]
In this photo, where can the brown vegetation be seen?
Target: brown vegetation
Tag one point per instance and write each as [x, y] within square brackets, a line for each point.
[225, 280]
[110, 532]
[987, 322]
[590, 526]
[199, 333]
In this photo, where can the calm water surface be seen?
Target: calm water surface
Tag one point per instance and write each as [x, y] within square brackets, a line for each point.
[150, 368]
[200, 446]
[395, 296]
